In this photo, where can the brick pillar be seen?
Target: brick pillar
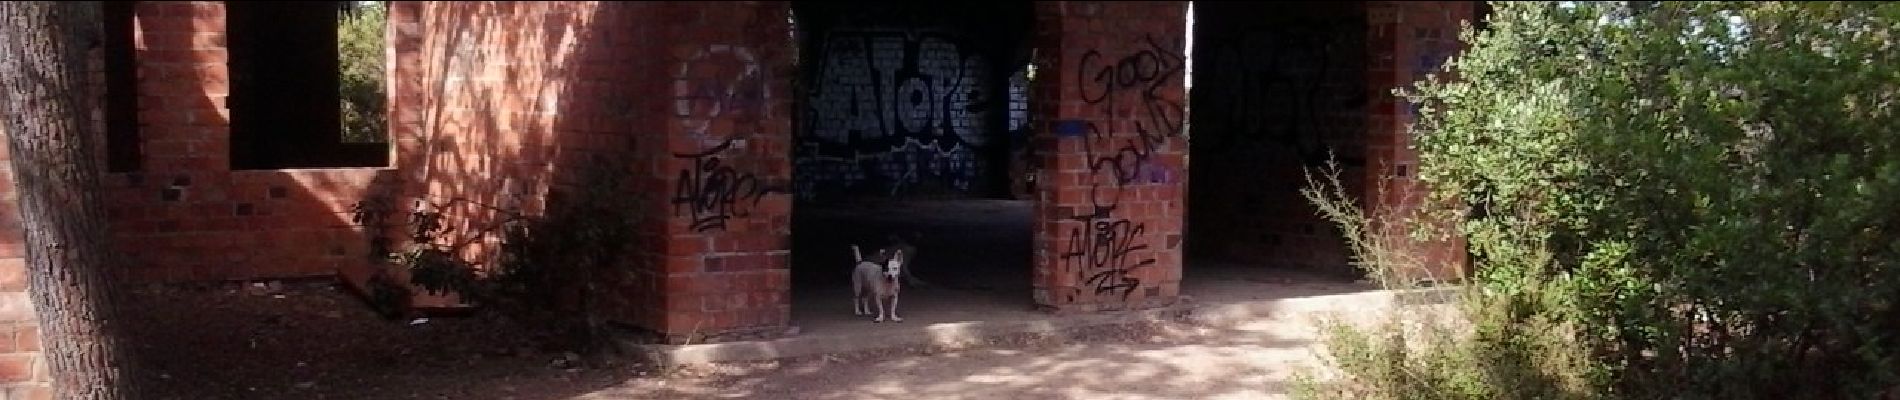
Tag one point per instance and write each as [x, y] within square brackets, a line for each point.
[725, 166]
[1407, 41]
[1110, 97]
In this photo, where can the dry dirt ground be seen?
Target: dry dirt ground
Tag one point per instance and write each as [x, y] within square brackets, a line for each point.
[314, 341]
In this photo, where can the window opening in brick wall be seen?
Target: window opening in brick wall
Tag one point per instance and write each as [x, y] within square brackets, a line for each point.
[295, 101]
[121, 88]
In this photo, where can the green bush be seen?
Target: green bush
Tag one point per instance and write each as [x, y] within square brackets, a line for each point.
[1476, 347]
[360, 48]
[1695, 198]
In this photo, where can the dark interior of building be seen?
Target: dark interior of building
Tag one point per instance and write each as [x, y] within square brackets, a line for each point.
[284, 88]
[1278, 89]
[911, 121]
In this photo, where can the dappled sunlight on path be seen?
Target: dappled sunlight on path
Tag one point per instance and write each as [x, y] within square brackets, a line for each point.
[1249, 361]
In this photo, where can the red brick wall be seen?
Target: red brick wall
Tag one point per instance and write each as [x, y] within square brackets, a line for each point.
[1408, 40]
[505, 103]
[1279, 89]
[1111, 111]
[724, 265]
[496, 104]
[185, 215]
[22, 369]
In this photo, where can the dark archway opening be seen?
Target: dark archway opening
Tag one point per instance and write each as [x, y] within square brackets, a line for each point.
[911, 120]
[1278, 89]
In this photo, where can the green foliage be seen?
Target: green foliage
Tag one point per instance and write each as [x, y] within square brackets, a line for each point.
[547, 266]
[586, 235]
[1476, 348]
[360, 47]
[1700, 193]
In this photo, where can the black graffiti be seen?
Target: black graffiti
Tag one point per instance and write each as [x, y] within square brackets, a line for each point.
[1101, 256]
[1159, 118]
[894, 107]
[1292, 85]
[715, 192]
[1149, 71]
[1103, 252]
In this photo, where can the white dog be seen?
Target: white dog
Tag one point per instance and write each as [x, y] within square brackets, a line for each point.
[901, 250]
[877, 282]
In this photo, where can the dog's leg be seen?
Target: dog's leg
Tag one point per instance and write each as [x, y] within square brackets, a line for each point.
[880, 308]
[857, 295]
[894, 317]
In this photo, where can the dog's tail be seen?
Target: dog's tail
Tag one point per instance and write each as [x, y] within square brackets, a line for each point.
[856, 256]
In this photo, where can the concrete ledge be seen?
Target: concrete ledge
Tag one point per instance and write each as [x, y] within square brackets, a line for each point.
[1359, 303]
[975, 333]
[953, 335]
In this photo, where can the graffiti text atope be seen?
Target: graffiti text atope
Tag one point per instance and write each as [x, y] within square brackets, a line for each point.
[1106, 251]
[715, 192]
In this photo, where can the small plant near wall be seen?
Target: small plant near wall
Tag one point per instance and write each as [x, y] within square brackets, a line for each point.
[545, 269]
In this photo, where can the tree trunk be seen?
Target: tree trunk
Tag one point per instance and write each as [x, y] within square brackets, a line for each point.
[43, 50]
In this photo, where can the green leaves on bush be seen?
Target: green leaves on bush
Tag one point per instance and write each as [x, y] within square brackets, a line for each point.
[360, 48]
[1702, 192]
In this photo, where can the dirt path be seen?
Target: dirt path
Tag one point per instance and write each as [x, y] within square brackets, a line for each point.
[313, 342]
[1161, 362]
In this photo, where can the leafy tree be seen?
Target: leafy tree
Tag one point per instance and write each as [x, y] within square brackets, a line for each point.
[360, 47]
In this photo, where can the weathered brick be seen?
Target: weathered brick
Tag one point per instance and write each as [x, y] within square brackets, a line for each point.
[12, 274]
[30, 392]
[185, 56]
[17, 367]
[16, 307]
[184, 40]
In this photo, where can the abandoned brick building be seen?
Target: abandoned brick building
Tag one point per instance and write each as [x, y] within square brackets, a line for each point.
[225, 162]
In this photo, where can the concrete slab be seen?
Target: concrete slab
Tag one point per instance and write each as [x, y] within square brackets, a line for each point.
[978, 253]
[947, 335]
[1312, 310]
[1302, 311]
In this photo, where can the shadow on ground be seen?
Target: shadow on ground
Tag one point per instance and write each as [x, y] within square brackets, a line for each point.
[315, 341]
